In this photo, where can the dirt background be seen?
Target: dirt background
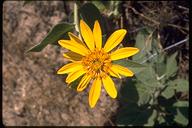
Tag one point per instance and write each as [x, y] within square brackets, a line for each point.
[33, 94]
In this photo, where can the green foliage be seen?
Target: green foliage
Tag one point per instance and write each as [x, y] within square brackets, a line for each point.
[150, 98]
[133, 66]
[171, 67]
[53, 36]
[90, 13]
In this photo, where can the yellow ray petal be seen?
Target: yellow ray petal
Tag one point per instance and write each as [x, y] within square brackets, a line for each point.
[71, 67]
[122, 70]
[109, 86]
[72, 56]
[76, 39]
[114, 39]
[87, 35]
[83, 83]
[74, 75]
[97, 33]
[74, 46]
[94, 92]
[124, 53]
[114, 73]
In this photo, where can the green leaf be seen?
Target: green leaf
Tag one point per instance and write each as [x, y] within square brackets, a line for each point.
[171, 67]
[161, 120]
[148, 77]
[182, 85]
[53, 36]
[90, 13]
[144, 93]
[160, 65]
[151, 119]
[128, 91]
[180, 118]
[182, 112]
[99, 5]
[181, 104]
[132, 115]
[133, 66]
[168, 92]
[178, 85]
[135, 92]
[140, 43]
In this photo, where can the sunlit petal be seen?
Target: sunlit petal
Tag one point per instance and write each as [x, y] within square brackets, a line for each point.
[83, 83]
[94, 92]
[74, 46]
[114, 39]
[109, 86]
[72, 56]
[71, 67]
[87, 35]
[122, 70]
[97, 33]
[124, 53]
[74, 75]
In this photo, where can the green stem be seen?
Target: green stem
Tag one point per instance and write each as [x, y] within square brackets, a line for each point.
[76, 22]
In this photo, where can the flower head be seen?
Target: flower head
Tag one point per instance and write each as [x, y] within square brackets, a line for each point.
[93, 62]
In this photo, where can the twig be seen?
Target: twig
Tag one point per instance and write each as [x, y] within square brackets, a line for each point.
[179, 27]
[156, 22]
[141, 14]
[167, 48]
[181, 7]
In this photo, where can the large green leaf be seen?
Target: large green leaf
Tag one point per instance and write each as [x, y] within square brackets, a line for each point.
[148, 77]
[128, 92]
[182, 85]
[171, 67]
[90, 13]
[132, 115]
[181, 116]
[168, 92]
[53, 36]
[141, 44]
[100, 5]
[178, 85]
[134, 66]
[134, 92]
[160, 64]
[144, 93]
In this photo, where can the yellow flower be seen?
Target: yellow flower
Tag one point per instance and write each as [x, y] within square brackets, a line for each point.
[93, 62]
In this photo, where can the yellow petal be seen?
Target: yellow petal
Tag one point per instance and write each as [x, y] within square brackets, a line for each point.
[94, 92]
[87, 35]
[109, 86]
[72, 56]
[74, 75]
[114, 39]
[83, 83]
[74, 46]
[122, 70]
[97, 33]
[75, 38]
[124, 53]
[71, 67]
[114, 73]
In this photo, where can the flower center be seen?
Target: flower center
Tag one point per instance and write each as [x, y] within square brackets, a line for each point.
[97, 63]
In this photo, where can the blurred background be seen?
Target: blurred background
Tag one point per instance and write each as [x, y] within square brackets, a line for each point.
[33, 94]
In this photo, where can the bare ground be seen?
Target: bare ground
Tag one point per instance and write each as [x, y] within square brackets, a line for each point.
[33, 94]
